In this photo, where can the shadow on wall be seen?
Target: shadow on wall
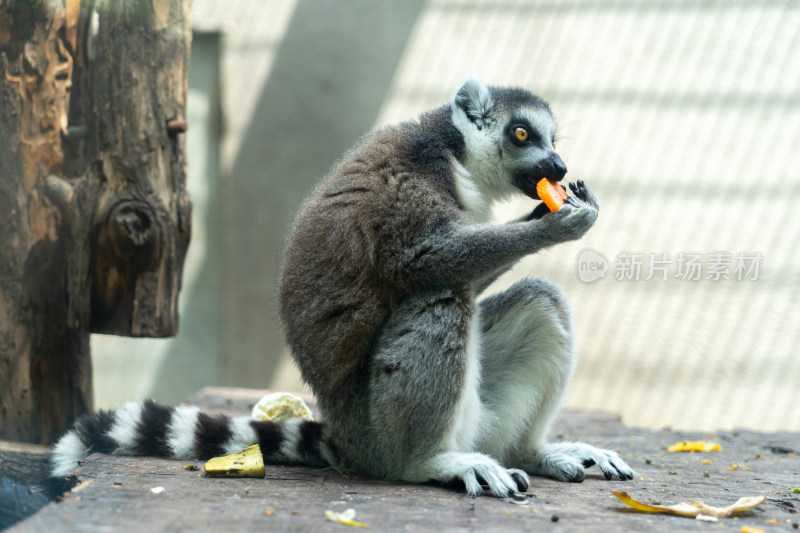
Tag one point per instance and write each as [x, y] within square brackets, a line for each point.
[332, 73]
[192, 359]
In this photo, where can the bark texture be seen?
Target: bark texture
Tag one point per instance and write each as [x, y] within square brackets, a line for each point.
[94, 213]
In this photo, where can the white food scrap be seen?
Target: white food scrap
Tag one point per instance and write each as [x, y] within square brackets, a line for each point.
[345, 517]
[281, 406]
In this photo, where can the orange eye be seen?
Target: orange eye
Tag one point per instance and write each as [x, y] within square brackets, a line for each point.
[521, 133]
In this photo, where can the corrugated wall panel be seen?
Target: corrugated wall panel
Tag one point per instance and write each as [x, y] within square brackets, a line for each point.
[683, 117]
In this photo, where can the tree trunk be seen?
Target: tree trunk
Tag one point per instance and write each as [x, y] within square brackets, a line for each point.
[94, 213]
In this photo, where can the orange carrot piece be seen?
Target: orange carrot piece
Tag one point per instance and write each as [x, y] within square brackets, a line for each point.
[552, 193]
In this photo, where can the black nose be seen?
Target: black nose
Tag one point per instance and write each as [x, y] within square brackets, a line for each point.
[559, 168]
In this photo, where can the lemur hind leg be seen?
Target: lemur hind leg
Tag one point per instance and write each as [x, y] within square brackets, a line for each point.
[425, 409]
[527, 360]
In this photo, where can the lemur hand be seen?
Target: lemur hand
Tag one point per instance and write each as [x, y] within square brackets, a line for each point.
[574, 219]
[582, 192]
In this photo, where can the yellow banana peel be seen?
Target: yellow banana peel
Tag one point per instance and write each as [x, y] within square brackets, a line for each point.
[691, 510]
[246, 463]
[694, 446]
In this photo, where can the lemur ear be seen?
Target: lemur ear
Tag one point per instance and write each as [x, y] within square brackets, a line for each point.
[474, 100]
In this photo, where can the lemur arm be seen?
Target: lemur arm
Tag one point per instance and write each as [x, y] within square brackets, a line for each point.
[538, 212]
[458, 255]
[463, 254]
[466, 254]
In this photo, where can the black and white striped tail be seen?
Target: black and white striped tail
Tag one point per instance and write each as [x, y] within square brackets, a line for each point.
[147, 428]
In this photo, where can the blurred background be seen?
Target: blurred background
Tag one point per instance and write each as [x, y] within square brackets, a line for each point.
[683, 116]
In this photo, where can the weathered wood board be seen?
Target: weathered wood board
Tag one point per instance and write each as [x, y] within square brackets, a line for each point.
[115, 493]
[23, 461]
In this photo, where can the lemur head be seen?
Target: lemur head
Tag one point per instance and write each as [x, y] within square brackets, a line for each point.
[509, 137]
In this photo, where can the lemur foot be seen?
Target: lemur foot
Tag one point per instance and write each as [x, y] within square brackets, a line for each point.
[567, 461]
[475, 470]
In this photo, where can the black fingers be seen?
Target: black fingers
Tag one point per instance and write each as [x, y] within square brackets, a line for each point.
[614, 471]
[577, 477]
[522, 481]
[622, 475]
[583, 193]
[579, 189]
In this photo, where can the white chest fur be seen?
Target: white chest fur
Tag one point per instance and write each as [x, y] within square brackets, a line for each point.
[469, 192]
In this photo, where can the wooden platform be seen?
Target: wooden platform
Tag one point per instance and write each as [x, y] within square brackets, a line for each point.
[115, 493]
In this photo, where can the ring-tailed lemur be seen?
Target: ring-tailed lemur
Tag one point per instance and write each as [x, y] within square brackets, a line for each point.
[415, 377]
